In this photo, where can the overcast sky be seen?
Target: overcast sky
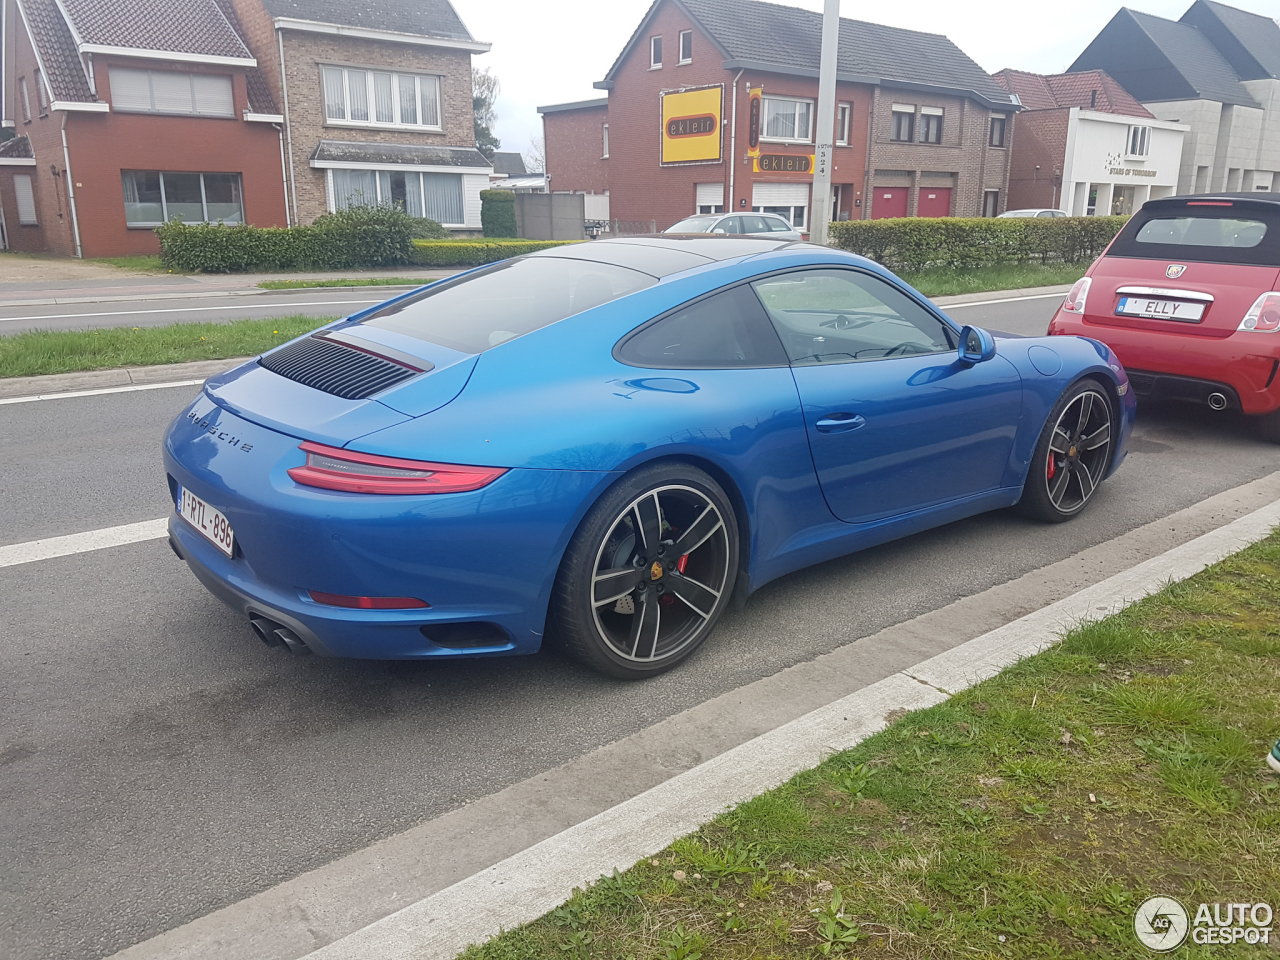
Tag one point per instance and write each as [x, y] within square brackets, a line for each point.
[552, 51]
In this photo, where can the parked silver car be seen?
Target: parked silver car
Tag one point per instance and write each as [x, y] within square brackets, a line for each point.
[1035, 212]
[738, 224]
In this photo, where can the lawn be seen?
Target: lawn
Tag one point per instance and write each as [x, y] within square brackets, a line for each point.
[60, 351]
[149, 263]
[349, 282]
[1025, 817]
[946, 281]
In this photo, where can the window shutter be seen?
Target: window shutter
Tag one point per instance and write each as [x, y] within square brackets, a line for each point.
[780, 195]
[710, 194]
[213, 95]
[130, 89]
[26, 199]
[171, 92]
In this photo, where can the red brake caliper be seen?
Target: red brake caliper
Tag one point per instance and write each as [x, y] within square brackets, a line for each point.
[680, 564]
[1053, 467]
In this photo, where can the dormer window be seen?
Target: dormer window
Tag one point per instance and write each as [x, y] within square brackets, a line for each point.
[655, 53]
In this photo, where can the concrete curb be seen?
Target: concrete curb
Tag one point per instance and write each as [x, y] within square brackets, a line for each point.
[526, 886]
[118, 377]
[991, 295]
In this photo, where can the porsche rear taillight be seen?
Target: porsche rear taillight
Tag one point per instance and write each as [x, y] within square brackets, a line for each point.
[1077, 296]
[352, 472]
[1264, 315]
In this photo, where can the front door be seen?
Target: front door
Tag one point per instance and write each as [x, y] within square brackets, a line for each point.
[888, 202]
[896, 422]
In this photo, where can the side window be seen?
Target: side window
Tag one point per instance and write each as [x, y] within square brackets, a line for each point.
[726, 329]
[729, 225]
[754, 225]
[776, 225]
[837, 316]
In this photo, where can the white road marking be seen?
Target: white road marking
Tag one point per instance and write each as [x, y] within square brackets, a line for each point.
[131, 388]
[983, 303]
[235, 306]
[33, 550]
[538, 879]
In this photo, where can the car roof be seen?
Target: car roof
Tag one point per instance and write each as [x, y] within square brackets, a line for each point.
[661, 255]
[1271, 199]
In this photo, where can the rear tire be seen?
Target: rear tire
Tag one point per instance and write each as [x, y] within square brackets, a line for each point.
[1268, 426]
[1072, 455]
[648, 573]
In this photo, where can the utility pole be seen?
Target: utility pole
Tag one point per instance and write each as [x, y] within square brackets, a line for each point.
[821, 215]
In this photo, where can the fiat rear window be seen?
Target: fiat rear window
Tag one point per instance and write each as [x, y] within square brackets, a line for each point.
[1203, 231]
[486, 308]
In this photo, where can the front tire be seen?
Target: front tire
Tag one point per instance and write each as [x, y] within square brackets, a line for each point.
[648, 573]
[1072, 455]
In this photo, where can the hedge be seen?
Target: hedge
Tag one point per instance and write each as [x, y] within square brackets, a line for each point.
[498, 213]
[914, 243]
[357, 237]
[465, 253]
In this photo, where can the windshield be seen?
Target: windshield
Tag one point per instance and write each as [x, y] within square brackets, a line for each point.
[507, 300]
[692, 225]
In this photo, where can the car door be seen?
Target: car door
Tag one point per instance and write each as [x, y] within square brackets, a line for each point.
[896, 421]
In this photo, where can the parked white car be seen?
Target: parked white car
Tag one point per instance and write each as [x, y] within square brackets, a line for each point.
[1035, 212]
[738, 224]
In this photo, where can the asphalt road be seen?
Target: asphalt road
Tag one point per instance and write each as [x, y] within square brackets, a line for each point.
[158, 762]
[325, 302]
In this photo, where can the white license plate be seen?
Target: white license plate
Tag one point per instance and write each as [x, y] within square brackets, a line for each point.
[1160, 309]
[208, 520]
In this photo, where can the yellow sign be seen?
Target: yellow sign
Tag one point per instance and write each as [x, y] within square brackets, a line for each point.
[691, 125]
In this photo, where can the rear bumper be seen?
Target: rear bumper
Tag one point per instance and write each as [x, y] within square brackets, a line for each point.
[1188, 367]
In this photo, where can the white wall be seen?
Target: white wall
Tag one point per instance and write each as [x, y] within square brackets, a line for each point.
[1238, 147]
[1097, 145]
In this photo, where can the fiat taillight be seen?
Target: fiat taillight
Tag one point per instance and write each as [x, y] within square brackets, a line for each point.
[1077, 296]
[1264, 315]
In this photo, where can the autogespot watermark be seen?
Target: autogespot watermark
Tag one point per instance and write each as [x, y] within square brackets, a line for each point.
[1163, 923]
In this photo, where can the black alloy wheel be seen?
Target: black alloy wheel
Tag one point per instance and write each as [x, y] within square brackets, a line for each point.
[1072, 455]
[648, 573]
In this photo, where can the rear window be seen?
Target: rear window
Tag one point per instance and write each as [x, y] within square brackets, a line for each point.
[1231, 233]
[508, 300]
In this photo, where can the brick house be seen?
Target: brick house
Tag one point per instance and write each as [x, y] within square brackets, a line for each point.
[376, 99]
[1085, 146]
[127, 113]
[711, 107]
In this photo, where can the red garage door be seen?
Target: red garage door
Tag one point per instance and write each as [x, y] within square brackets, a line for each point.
[888, 202]
[935, 201]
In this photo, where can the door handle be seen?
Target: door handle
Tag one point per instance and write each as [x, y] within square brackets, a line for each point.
[840, 423]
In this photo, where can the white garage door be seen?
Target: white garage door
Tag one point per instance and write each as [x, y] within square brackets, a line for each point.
[780, 195]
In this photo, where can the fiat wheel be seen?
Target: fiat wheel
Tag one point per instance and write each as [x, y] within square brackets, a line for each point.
[1072, 456]
[648, 573]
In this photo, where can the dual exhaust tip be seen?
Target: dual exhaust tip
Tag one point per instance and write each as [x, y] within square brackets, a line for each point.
[278, 635]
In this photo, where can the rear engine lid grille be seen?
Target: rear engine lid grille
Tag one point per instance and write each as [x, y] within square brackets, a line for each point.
[340, 368]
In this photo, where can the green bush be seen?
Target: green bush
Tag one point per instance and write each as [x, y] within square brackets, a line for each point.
[465, 253]
[425, 229]
[357, 237]
[498, 213]
[916, 243]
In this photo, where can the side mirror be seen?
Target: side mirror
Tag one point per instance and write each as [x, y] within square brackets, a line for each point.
[976, 346]
[720, 230]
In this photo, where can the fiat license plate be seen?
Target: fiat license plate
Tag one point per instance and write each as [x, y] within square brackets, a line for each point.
[208, 520]
[1160, 309]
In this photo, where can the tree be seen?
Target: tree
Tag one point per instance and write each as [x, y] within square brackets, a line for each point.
[535, 158]
[484, 94]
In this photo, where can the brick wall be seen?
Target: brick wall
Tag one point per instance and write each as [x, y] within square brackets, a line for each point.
[1041, 140]
[964, 153]
[303, 55]
[259, 35]
[574, 149]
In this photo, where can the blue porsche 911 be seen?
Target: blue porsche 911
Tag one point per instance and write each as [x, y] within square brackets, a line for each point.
[607, 444]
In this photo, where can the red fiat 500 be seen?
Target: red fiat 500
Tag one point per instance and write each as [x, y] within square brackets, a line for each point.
[1188, 296]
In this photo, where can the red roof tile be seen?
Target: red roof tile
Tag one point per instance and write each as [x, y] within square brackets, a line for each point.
[1089, 89]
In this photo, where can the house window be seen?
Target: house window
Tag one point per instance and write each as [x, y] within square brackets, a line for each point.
[40, 97]
[655, 53]
[930, 124]
[437, 196]
[1139, 141]
[378, 98]
[788, 120]
[843, 112]
[164, 91]
[709, 197]
[686, 46]
[997, 132]
[991, 202]
[26, 100]
[904, 123]
[604, 136]
[26, 199]
[153, 197]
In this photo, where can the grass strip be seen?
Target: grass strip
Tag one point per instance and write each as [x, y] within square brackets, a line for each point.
[1025, 817]
[66, 351]
[948, 281]
[349, 282]
[147, 262]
